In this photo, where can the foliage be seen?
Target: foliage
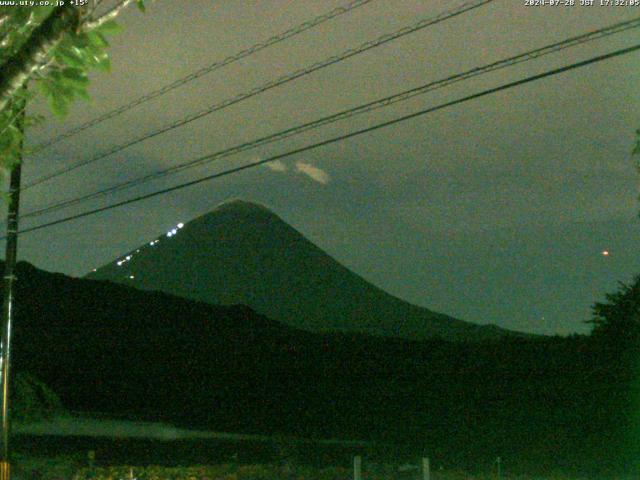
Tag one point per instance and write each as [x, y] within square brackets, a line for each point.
[33, 400]
[61, 77]
[66, 78]
[16, 25]
[616, 336]
[620, 315]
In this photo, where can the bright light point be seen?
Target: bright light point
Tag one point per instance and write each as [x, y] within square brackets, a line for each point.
[95, 269]
[180, 225]
[120, 263]
[174, 231]
[138, 251]
[605, 253]
[128, 257]
[131, 277]
[152, 243]
[169, 234]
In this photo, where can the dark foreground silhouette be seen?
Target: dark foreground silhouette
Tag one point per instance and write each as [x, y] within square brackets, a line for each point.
[542, 404]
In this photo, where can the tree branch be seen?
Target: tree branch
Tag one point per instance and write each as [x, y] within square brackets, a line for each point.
[13, 119]
[108, 15]
[15, 72]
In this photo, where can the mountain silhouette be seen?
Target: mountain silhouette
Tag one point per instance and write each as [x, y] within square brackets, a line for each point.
[243, 253]
[145, 355]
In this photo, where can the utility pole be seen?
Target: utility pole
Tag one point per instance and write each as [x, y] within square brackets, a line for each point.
[357, 467]
[426, 470]
[11, 253]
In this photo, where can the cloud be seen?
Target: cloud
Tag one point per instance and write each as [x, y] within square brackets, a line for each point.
[314, 172]
[276, 166]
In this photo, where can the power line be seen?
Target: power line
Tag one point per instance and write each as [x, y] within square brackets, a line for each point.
[199, 73]
[204, 71]
[386, 101]
[340, 138]
[470, 5]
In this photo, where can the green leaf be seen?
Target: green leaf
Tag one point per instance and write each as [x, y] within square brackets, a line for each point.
[6, 144]
[140, 5]
[57, 94]
[102, 62]
[97, 39]
[109, 28]
[75, 78]
[10, 142]
[69, 57]
[79, 40]
[59, 105]
[44, 87]
[636, 148]
[60, 87]
[90, 52]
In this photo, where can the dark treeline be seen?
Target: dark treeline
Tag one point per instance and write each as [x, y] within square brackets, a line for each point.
[542, 404]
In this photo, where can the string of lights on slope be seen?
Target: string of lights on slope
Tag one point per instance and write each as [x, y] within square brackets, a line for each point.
[490, 91]
[334, 59]
[368, 107]
[130, 255]
[292, 32]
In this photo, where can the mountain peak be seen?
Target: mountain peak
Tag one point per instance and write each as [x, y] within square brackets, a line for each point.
[239, 204]
[243, 253]
[235, 210]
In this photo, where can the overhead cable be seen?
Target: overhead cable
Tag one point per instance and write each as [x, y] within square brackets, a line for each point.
[303, 27]
[344, 114]
[339, 138]
[427, 22]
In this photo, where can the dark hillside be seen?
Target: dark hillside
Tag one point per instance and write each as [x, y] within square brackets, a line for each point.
[540, 403]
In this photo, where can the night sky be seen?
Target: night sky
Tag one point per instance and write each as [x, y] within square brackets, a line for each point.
[493, 211]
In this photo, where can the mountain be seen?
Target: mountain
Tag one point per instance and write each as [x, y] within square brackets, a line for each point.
[153, 356]
[111, 348]
[242, 253]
